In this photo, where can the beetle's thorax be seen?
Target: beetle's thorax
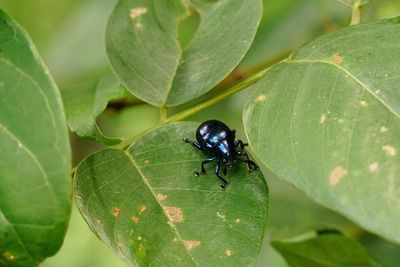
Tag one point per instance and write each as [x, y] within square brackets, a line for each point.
[217, 139]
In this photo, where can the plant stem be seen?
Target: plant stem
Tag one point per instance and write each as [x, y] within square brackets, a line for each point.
[234, 89]
[356, 14]
[193, 110]
[163, 113]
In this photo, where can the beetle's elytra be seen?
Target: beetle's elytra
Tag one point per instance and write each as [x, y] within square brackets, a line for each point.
[215, 138]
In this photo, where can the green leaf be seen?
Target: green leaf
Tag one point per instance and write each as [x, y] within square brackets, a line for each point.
[325, 250]
[84, 104]
[35, 155]
[327, 120]
[148, 206]
[144, 51]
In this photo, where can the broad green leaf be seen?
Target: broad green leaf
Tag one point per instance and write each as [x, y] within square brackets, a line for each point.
[148, 206]
[144, 51]
[35, 156]
[83, 105]
[325, 250]
[327, 120]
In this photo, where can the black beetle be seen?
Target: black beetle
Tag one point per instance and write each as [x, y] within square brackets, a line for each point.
[215, 138]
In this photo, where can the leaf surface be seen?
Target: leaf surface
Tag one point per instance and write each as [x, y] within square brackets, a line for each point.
[327, 120]
[144, 51]
[84, 104]
[325, 250]
[34, 154]
[148, 206]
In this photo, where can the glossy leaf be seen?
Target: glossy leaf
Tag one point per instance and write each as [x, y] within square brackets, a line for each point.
[84, 104]
[325, 250]
[144, 51]
[148, 206]
[34, 154]
[327, 120]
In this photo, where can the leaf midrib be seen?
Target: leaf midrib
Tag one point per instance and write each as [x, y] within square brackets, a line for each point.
[137, 167]
[34, 158]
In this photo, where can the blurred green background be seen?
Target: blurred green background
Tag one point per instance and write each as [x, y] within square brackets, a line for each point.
[69, 35]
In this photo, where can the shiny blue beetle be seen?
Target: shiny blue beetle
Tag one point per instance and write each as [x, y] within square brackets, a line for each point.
[216, 139]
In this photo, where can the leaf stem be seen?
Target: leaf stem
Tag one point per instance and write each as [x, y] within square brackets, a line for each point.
[163, 113]
[234, 89]
[356, 14]
[203, 105]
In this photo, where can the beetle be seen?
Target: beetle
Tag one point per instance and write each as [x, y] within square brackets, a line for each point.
[218, 140]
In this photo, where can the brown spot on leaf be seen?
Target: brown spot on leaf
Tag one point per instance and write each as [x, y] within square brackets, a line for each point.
[161, 197]
[228, 252]
[8, 255]
[383, 129]
[146, 161]
[142, 209]
[322, 118]
[261, 98]
[116, 212]
[174, 213]
[237, 220]
[373, 166]
[337, 59]
[191, 244]
[137, 12]
[135, 219]
[221, 216]
[336, 175]
[391, 151]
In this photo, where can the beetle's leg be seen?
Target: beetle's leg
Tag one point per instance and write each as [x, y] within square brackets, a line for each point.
[203, 170]
[217, 168]
[225, 169]
[194, 143]
[251, 165]
[240, 143]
